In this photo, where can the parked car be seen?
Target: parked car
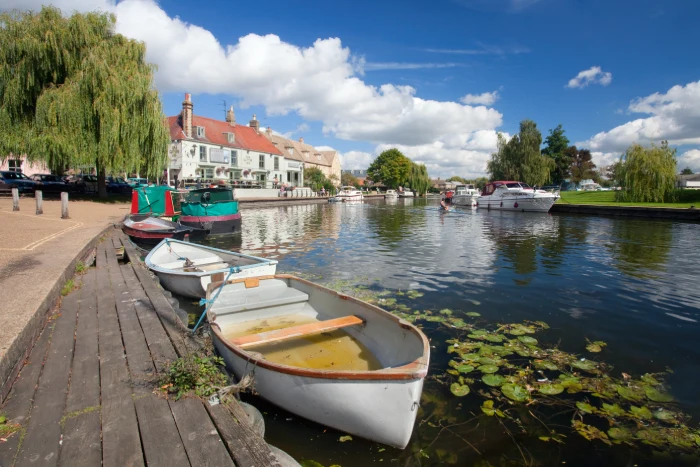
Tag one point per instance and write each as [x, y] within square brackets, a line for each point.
[17, 180]
[84, 183]
[117, 185]
[49, 183]
[134, 182]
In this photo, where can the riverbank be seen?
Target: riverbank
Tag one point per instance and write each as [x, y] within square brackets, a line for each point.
[686, 199]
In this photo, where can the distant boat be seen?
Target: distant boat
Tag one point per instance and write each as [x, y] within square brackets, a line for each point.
[211, 209]
[406, 193]
[391, 194]
[515, 196]
[465, 195]
[324, 356]
[187, 268]
[146, 230]
[349, 193]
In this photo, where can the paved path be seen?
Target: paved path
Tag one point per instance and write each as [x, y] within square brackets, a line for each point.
[87, 395]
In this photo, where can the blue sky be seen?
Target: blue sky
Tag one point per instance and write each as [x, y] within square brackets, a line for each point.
[437, 79]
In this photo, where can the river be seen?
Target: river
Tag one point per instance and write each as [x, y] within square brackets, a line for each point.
[632, 283]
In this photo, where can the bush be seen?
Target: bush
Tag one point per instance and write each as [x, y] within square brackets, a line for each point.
[198, 373]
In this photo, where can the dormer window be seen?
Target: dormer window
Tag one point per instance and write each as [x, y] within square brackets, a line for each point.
[231, 138]
[291, 151]
[200, 132]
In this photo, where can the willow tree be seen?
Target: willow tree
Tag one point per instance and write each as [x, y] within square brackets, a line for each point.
[418, 179]
[647, 174]
[72, 93]
[520, 158]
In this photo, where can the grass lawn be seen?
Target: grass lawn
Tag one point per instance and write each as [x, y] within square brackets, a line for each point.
[686, 199]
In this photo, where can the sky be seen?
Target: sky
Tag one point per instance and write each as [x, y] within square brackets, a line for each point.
[437, 79]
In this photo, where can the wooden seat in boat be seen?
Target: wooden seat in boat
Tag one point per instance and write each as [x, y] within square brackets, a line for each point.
[269, 293]
[180, 264]
[293, 332]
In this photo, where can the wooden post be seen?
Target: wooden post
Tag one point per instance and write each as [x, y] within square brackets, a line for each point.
[64, 205]
[38, 195]
[15, 199]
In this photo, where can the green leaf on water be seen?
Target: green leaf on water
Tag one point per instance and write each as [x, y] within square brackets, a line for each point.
[595, 346]
[488, 368]
[494, 337]
[551, 389]
[453, 372]
[414, 294]
[459, 390]
[487, 361]
[445, 311]
[515, 392]
[614, 410]
[435, 319]
[473, 314]
[545, 365]
[493, 380]
[649, 379]
[665, 415]
[620, 433]
[487, 408]
[585, 408]
[656, 395]
[630, 393]
[528, 340]
[310, 463]
[464, 368]
[641, 412]
[586, 365]
[345, 438]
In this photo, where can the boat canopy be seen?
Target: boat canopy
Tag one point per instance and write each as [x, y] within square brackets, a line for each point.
[209, 202]
[151, 200]
[209, 195]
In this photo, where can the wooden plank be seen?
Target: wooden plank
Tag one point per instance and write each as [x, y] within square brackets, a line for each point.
[82, 446]
[41, 442]
[19, 403]
[160, 438]
[202, 442]
[121, 445]
[294, 332]
[246, 447]
[84, 388]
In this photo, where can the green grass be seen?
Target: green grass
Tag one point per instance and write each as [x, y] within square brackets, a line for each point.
[68, 288]
[686, 199]
[80, 268]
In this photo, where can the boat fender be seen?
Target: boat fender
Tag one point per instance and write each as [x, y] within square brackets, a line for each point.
[255, 418]
[284, 459]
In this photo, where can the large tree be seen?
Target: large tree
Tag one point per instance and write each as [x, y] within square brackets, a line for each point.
[582, 166]
[391, 169]
[455, 178]
[418, 179]
[647, 174]
[556, 145]
[74, 93]
[520, 158]
[687, 171]
[348, 179]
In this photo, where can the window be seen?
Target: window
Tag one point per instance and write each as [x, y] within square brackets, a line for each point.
[200, 132]
[202, 153]
[291, 150]
[234, 175]
[234, 158]
[209, 172]
[14, 165]
[318, 157]
[231, 137]
[261, 163]
[277, 163]
[306, 153]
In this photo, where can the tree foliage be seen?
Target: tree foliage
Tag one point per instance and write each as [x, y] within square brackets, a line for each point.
[455, 178]
[687, 171]
[520, 158]
[348, 179]
[582, 166]
[556, 145]
[72, 92]
[418, 179]
[647, 174]
[391, 168]
[316, 179]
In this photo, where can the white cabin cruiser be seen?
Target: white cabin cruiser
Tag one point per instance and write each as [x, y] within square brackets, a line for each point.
[466, 195]
[405, 193]
[349, 193]
[515, 196]
[391, 194]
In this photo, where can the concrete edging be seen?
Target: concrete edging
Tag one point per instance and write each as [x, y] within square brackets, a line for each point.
[11, 363]
[686, 214]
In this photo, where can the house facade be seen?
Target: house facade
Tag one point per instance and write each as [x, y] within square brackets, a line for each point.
[211, 151]
[20, 164]
[305, 155]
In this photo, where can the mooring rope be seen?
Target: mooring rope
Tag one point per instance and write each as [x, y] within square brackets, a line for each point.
[210, 303]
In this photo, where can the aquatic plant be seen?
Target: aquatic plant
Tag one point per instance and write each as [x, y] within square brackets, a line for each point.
[199, 373]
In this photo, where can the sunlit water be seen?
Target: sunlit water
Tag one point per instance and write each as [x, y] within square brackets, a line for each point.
[631, 283]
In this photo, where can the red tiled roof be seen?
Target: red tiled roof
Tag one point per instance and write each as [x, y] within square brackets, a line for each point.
[215, 131]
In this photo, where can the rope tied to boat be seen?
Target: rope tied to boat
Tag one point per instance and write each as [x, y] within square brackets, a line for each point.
[232, 270]
[170, 249]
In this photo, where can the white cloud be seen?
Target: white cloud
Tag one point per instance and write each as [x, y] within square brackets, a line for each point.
[594, 75]
[486, 98]
[356, 160]
[482, 49]
[675, 117]
[604, 159]
[689, 159]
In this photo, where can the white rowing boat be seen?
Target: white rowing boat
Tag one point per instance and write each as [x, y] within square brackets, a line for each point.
[324, 356]
[187, 268]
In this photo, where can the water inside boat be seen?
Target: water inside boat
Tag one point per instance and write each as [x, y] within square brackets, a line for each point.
[334, 350]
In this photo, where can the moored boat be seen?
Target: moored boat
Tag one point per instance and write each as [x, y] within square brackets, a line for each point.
[349, 193]
[391, 194]
[187, 268]
[146, 230]
[405, 193]
[214, 210]
[515, 196]
[324, 356]
[465, 195]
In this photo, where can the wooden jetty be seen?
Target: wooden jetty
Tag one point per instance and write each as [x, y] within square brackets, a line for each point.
[87, 396]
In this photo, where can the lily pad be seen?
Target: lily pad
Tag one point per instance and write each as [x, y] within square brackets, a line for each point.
[620, 434]
[493, 380]
[551, 389]
[528, 340]
[459, 390]
[494, 337]
[656, 395]
[545, 365]
[614, 410]
[641, 412]
[630, 393]
[345, 438]
[414, 294]
[585, 408]
[487, 361]
[487, 408]
[515, 392]
[665, 415]
[473, 314]
[445, 311]
[488, 368]
[649, 379]
[595, 346]
[453, 372]
[464, 368]
[586, 365]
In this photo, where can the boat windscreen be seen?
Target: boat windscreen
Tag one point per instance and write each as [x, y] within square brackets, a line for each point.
[513, 185]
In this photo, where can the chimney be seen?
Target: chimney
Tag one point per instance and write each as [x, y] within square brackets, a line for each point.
[269, 132]
[255, 124]
[187, 115]
[301, 140]
[231, 116]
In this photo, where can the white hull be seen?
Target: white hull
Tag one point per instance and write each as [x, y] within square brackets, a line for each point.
[344, 198]
[465, 200]
[166, 261]
[520, 203]
[406, 195]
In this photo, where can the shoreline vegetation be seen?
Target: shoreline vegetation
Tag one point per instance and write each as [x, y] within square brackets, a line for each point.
[685, 199]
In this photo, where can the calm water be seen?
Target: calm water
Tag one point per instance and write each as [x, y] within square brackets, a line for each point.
[631, 283]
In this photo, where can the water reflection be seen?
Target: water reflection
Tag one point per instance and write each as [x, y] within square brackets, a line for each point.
[641, 248]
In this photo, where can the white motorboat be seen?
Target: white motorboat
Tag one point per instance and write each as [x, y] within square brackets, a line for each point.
[349, 193]
[321, 355]
[391, 194]
[187, 268]
[465, 195]
[405, 193]
[515, 196]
